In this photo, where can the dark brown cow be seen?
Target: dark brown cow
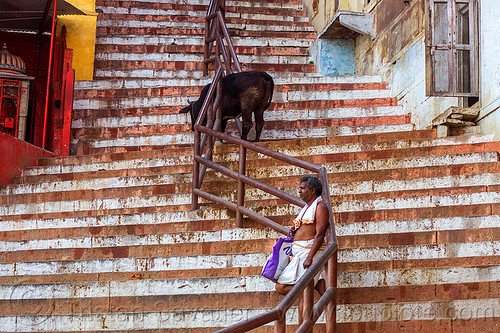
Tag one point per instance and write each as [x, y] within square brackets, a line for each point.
[244, 93]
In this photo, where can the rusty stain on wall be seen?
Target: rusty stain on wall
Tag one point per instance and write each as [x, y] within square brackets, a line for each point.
[398, 25]
[315, 6]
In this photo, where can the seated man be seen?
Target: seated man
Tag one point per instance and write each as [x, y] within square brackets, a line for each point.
[309, 232]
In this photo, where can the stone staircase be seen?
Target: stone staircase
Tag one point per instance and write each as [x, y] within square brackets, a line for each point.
[105, 241]
[144, 80]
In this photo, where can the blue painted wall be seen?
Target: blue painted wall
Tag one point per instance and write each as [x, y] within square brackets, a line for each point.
[337, 57]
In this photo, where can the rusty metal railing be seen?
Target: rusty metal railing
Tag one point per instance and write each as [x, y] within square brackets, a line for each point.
[205, 136]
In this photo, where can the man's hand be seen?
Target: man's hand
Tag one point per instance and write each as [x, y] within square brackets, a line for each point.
[307, 262]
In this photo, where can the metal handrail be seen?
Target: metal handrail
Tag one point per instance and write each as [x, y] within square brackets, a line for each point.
[216, 33]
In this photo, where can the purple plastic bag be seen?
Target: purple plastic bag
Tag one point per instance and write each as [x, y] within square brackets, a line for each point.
[280, 257]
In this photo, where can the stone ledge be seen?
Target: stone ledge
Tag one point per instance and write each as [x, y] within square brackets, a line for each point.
[456, 120]
[347, 24]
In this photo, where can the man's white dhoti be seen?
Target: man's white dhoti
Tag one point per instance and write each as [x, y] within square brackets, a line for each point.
[295, 269]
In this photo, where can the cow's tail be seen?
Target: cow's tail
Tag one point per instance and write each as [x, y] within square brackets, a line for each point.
[270, 86]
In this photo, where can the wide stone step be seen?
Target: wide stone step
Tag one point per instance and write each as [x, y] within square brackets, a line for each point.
[392, 195]
[160, 166]
[184, 253]
[299, 64]
[349, 181]
[143, 88]
[160, 141]
[479, 265]
[220, 149]
[199, 31]
[280, 79]
[136, 246]
[272, 117]
[280, 115]
[341, 191]
[206, 219]
[165, 128]
[189, 16]
[184, 227]
[252, 53]
[385, 281]
[166, 195]
[123, 98]
[192, 70]
[187, 45]
[354, 247]
[336, 158]
[488, 197]
[189, 227]
[440, 277]
[169, 203]
[441, 239]
[283, 63]
[132, 42]
[138, 223]
[204, 321]
[267, 5]
[198, 22]
[106, 31]
[403, 265]
[373, 214]
[376, 152]
[323, 97]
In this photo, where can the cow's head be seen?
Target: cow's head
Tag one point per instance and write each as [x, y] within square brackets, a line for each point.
[190, 109]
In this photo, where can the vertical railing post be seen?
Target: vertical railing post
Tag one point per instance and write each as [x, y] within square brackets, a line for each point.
[217, 44]
[308, 301]
[206, 50]
[196, 170]
[280, 325]
[222, 7]
[218, 107]
[241, 186]
[331, 309]
[300, 311]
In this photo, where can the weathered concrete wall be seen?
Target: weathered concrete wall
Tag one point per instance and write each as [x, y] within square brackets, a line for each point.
[398, 54]
[322, 11]
[397, 27]
[489, 67]
[407, 74]
[334, 57]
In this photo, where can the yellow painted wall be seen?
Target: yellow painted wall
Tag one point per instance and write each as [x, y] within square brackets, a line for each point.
[81, 33]
[85, 5]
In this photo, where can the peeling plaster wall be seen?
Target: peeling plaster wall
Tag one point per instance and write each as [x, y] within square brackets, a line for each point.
[398, 55]
[489, 66]
[322, 11]
[408, 85]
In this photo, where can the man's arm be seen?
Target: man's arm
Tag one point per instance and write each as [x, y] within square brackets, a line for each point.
[322, 222]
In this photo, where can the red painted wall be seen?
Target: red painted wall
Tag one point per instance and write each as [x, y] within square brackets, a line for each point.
[27, 47]
[16, 155]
